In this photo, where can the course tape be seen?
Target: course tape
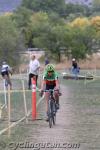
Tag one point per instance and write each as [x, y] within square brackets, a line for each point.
[11, 91]
[23, 118]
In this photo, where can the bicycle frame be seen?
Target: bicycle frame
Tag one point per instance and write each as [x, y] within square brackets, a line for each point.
[7, 81]
[51, 108]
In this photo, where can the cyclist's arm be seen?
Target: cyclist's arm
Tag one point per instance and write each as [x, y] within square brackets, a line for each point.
[57, 82]
[43, 84]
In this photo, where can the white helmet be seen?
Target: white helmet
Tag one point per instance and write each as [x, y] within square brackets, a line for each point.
[73, 59]
[4, 62]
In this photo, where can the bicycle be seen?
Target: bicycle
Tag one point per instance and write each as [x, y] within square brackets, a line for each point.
[7, 82]
[51, 108]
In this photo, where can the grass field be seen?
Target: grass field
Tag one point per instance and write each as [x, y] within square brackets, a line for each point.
[84, 96]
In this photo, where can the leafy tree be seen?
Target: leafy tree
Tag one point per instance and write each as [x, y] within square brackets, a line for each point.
[82, 41]
[37, 27]
[80, 22]
[46, 32]
[95, 21]
[10, 40]
[96, 5]
[48, 6]
[77, 10]
[22, 18]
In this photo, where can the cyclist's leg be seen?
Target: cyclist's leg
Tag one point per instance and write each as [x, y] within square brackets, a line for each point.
[9, 82]
[36, 79]
[29, 81]
[5, 77]
[30, 77]
[56, 96]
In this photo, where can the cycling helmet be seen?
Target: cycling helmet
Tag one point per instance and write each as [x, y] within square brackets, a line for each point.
[4, 62]
[73, 59]
[50, 68]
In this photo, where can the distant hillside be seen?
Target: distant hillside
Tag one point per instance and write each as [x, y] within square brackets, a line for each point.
[9, 5]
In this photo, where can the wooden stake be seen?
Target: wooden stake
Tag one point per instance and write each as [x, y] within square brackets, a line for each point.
[25, 105]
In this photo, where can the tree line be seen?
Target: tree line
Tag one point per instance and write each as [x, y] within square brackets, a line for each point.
[52, 25]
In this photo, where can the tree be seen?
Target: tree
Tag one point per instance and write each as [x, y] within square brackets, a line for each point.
[46, 32]
[22, 18]
[95, 21]
[96, 5]
[82, 41]
[37, 28]
[10, 40]
[48, 6]
[77, 10]
[80, 22]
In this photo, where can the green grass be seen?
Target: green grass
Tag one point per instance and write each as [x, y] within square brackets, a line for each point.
[84, 97]
[85, 94]
[17, 112]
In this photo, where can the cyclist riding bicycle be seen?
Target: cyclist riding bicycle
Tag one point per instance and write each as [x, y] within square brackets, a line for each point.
[50, 81]
[5, 71]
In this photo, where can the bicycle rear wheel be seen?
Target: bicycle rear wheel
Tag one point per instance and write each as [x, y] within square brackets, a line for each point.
[54, 113]
[54, 119]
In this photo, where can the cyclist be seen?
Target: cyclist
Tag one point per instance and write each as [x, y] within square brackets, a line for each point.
[5, 71]
[50, 81]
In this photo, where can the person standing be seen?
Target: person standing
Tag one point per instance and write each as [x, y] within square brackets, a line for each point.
[75, 68]
[34, 66]
[46, 61]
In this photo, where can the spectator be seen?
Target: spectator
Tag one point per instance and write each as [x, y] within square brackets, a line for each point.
[46, 61]
[75, 68]
[34, 66]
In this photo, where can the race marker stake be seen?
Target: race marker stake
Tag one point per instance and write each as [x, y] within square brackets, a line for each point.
[33, 99]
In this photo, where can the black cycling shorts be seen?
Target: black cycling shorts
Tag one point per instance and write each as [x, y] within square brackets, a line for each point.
[4, 73]
[48, 87]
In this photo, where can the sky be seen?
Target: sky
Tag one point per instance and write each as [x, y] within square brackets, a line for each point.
[9, 5]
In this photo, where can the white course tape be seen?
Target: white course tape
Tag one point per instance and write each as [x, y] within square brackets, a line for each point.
[15, 123]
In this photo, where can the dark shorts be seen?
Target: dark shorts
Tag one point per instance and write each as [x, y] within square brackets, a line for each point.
[4, 73]
[50, 87]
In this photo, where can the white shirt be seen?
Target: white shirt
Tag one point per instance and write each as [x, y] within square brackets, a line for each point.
[5, 68]
[34, 67]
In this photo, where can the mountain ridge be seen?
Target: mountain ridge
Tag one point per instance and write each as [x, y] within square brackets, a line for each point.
[11, 5]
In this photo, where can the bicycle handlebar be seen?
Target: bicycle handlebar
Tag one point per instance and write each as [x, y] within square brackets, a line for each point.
[51, 90]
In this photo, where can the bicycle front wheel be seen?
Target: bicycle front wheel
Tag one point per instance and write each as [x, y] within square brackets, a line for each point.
[50, 113]
[50, 121]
